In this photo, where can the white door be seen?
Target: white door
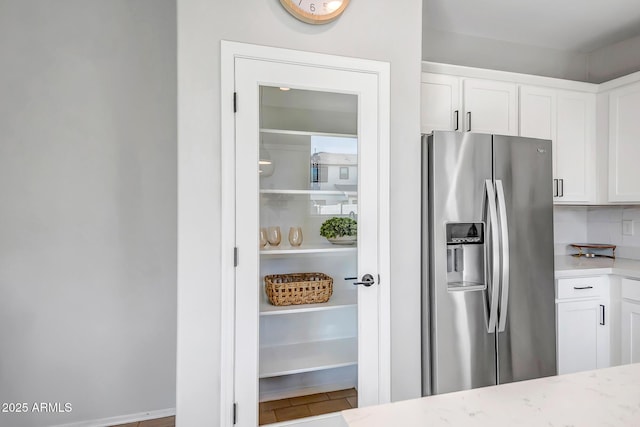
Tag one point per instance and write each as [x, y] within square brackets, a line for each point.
[307, 148]
[439, 103]
[490, 107]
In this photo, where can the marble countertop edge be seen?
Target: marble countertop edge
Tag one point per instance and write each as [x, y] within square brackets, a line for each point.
[570, 266]
[605, 397]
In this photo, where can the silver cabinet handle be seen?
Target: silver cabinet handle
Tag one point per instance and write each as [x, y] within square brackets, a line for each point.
[555, 188]
[504, 231]
[561, 188]
[601, 314]
[582, 287]
[492, 223]
[468, 121]
[457, 122]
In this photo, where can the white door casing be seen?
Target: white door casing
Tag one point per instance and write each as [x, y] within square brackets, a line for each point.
[244, 69]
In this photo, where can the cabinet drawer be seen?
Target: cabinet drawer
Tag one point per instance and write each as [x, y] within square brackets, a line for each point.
[581, 287]
[631, 289]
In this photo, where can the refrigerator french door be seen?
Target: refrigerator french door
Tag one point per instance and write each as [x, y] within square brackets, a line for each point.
[488, 287]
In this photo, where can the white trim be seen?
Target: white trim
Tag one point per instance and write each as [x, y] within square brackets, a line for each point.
[227, 234]
[528, 79]
[123, 419]
[229, 52]
[384, 217]
[507, 76]
[620, 81]
[328, 420]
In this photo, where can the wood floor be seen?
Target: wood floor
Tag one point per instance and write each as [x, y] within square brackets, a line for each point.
[284, 409]
[158, 422]
[307, 406]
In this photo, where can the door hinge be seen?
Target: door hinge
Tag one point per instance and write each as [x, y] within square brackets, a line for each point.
[235, 102]
[235, 256]
[235, 413]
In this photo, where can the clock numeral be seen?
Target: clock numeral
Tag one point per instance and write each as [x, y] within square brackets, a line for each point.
[300, 3]
[312, 7]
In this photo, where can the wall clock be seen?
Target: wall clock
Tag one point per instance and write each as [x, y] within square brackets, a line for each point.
[315, 11]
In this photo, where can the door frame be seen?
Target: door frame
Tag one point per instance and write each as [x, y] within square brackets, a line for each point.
[229, 51]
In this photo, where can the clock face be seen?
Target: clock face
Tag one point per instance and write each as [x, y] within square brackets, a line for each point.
[315, 11]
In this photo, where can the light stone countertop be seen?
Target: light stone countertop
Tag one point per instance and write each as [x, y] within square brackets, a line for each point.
[570, 266]
[605, 397]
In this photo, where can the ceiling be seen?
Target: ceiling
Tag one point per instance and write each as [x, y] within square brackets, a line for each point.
[571, 25]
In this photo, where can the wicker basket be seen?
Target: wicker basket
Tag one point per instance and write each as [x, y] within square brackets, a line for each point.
[298, 288]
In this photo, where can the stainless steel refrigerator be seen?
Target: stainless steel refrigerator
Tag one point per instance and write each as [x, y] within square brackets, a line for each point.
[488, 300]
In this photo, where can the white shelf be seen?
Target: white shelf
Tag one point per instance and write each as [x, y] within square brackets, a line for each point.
[307, 133]
[313, 248]
[338, 300]
[306, 357]
[310, 192]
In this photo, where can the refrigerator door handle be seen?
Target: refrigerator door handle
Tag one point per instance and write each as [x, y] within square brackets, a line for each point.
[504, 246]
[492, 223]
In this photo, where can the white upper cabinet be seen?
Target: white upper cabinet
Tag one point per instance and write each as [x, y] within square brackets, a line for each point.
[538, 113]
[468, 105]
[490, 107]
[439, 103]
[624, 144]
[567, 118]
[575, 146]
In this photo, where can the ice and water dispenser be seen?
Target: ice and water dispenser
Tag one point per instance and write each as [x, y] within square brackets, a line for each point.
[465, 256]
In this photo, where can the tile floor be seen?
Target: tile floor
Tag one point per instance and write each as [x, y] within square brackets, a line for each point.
[158, 422]
[305, 406]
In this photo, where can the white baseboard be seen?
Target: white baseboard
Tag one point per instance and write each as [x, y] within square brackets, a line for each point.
[123, 419]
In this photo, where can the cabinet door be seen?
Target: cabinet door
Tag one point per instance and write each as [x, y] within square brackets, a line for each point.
[490, 107]
[624, 149]
[538, 117]
[630, 332]
[574, 146]
[582, 336]
[537, 112]
[439, 103]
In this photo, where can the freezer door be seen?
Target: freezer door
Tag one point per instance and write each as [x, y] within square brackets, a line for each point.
[461, 351]
[527, 324]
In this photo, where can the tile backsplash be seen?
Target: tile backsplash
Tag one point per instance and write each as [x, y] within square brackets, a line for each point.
[596, 224]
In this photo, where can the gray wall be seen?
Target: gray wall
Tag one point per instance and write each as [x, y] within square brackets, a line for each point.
[87, 207]
[374, 29]
[458, 49]
[614, 61]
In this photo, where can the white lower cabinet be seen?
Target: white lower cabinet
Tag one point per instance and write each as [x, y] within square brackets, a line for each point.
[630, 308]
[582, 308]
